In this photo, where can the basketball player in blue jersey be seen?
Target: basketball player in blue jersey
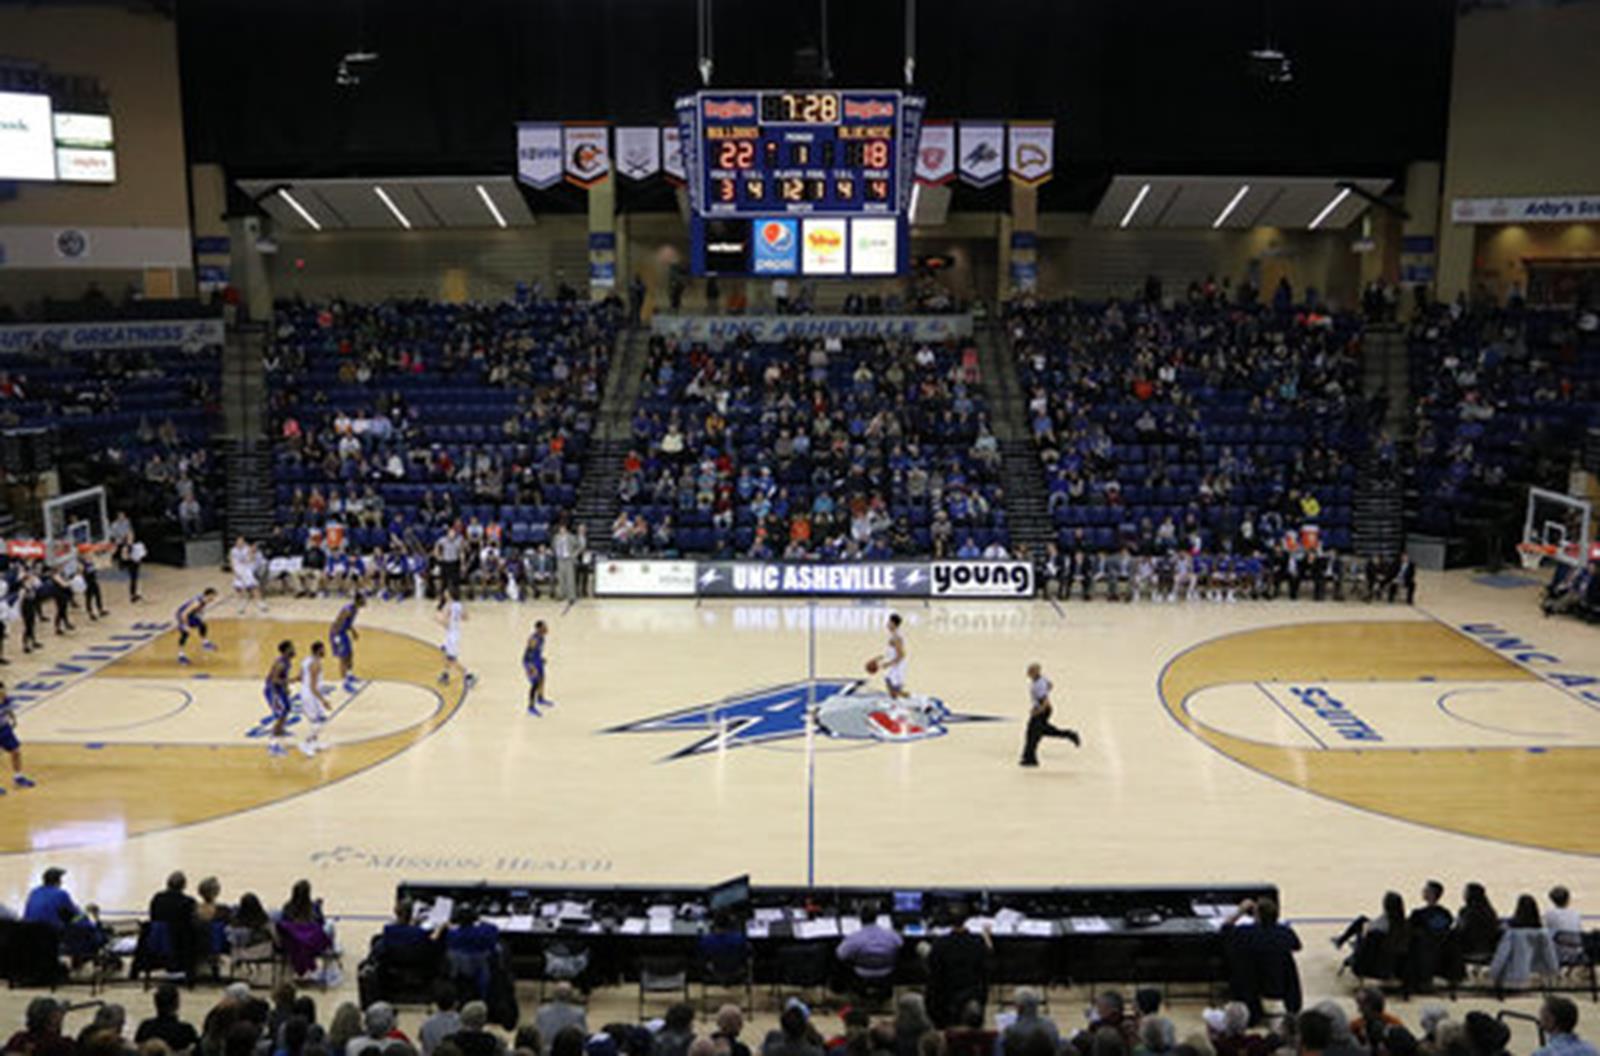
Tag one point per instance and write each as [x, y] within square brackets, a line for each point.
[191, 616]
[276, 691]
[8, 740]
[533, 667]
[341, 638]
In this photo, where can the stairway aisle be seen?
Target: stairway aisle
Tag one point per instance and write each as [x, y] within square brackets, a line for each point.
[245, 451]
[597, 502]
[1026, 497]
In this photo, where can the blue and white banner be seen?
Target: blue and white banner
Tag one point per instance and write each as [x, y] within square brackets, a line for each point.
[587, 153]
[1031, 152]
[981, 154]
[783, 327]
[1550, 209]
[639, 151]
[539, 154]
[936, 153]
[89, 337]
[672, 154]
[767, 579]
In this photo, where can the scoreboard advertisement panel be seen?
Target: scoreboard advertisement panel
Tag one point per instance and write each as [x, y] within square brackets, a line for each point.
[799, 182]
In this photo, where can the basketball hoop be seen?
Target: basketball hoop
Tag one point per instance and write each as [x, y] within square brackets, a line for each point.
[1532, 555]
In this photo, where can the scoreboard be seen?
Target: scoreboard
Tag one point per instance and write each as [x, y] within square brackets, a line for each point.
[799, 181]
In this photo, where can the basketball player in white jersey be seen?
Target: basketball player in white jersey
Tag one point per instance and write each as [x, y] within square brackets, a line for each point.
[246, 586]
[893, 661]
[314, 707]
[451, 614]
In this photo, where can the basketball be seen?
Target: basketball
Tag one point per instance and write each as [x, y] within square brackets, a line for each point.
[872, 666]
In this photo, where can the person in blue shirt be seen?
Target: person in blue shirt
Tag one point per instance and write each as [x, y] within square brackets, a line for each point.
[276, 691]
[8, 739]
[341, 636]
[1558, 1020]
[533, 667]
[50, 904]
[191, 616]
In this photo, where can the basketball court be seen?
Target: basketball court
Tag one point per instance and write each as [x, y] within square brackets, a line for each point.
[1335, 749]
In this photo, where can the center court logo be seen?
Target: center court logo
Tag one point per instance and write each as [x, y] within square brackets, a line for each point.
[781, 713]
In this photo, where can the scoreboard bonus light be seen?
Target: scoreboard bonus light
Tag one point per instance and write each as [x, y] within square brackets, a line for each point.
[798, 182]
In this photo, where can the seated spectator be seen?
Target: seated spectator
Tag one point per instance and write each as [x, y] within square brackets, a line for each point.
[1381, 943]
[871, 952]
[911, 1022]
[444, 1021]
[968, 1037]
[173, 908]
[676, 1032]
[1486, 1035]
[474, 1038]
[345, 1027]
[1027, 1023]
[49, 903]
[1229, 1031]
[41, 1032]
[1477, 924]
[1341, 1042]
[1526, 952]
[730, 1024]
[110, 1018]
[1558, 1019]
[958, 971]
[302, 929]
[1561, 917]
[1260, 953]
[165, 1026]
[379, 1023]
[560, 1012]
[795, 1035]
[470, 948]
[209, 909]
[1368, 1028]
[1157, 1036]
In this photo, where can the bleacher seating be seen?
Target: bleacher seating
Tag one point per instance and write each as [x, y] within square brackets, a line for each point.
[1205, 424]
[405, 416]
[1502, 400]
[141, 420]
[862, 448]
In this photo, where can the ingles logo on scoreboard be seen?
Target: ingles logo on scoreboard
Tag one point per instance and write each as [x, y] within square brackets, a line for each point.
[729, 109]
[868, 109]
[777, 245]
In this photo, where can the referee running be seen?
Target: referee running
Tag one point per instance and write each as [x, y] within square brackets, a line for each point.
[1039, 726]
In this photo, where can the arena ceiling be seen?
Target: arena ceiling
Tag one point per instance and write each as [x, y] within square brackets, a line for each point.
[1161, 86]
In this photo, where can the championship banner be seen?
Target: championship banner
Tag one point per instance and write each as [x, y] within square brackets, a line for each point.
[639, 151]
[82, 337]
[936, 153]
[682, 150]
[1030, 152]
[672, 154]
[766, 328]
[912, 108]
[586, 153]
[981, 148]
[539, 154]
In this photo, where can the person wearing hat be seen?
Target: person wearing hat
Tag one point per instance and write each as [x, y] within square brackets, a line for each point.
[41, 1035]
[473, 1039]
[50, 904]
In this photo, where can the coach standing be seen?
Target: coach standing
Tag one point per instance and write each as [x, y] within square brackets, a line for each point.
[566, 547]
[1039, 726]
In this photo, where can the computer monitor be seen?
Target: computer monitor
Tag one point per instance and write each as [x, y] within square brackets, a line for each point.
[730, 896]
[908, 903]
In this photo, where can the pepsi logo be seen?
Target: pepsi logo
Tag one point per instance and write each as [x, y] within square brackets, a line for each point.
[777, 236]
